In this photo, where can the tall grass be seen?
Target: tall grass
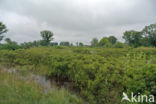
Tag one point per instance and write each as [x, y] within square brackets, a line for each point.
[14, 90]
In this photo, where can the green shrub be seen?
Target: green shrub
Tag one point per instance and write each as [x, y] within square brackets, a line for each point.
[99, 75]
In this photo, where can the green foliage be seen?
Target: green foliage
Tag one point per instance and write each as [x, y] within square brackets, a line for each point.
[47, 37]
[94, 42]
[54, 44]
[133, 38]
[140, 73]
[2, 30]
[146, 37]
[104, 42]
[99, 75]
[10, 45]
[14, 90]
[64, 44]
[119, 45]
[150, 34]
[107, 42]
[112, 39]
[81, 44]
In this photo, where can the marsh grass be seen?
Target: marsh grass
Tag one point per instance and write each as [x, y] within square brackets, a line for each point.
[14, 90]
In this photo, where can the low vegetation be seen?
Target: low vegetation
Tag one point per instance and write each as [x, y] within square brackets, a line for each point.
[14, 90]
[98, 75]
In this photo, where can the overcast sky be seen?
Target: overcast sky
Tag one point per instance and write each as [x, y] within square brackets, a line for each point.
[75, 20]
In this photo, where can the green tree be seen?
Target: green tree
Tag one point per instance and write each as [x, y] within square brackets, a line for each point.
[8, 40]
[104, 41]
[35, 43]
[112, 39]
[81, 44]
[64, 44]
[3, 29]
[119, 45]
[47, 36]
[133, 38]
[10, 45]
[71, 44]
[149, 32]
[94, 42]
[54, 44]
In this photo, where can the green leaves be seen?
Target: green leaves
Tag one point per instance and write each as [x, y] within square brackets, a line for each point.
[150, 34]
[99, 75]
[146, 37]
[47, 37]
[2, 30]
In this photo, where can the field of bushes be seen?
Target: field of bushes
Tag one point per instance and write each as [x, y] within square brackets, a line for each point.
[97, 75]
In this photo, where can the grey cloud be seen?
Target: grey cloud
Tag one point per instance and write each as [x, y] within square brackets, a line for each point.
[79, 20]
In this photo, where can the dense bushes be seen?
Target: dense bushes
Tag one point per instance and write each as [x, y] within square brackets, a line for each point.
[99, 75]
[10, 46]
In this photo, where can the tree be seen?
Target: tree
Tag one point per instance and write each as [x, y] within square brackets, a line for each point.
[2, 30]
[149, 32]
[112, 39]
[35, 43]
[64, 44]
[81, 44]
[119, 45]
[94, 42]
[47, 37]
[10, 45]
[71, 44]
[104, 41]
[8, 40]
[133, 38]
[54, 44]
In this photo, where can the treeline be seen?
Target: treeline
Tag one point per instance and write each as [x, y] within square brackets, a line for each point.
[108, 42]
[47, 38]
[146, 37]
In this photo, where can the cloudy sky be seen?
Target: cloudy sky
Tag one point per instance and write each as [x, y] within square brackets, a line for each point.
[75, 20]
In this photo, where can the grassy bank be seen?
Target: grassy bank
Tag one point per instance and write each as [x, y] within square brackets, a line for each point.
[14, 90]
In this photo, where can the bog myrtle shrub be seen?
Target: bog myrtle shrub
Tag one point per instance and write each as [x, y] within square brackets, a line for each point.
[99, 75]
